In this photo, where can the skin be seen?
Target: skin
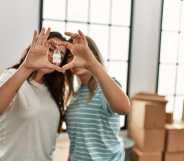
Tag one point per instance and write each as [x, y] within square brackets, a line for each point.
[37, 62]
[53, 44]
[84, 64]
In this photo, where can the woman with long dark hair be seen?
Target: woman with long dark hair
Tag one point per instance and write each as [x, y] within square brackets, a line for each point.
[32, 101]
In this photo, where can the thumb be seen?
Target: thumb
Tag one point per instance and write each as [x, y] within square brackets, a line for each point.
[67, 66]
[55, 67]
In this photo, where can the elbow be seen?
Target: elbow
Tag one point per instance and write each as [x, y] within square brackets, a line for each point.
[128, 108]
[125, 108]
[121, 106]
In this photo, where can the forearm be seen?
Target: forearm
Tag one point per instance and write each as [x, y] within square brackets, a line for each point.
[10, 87]
[117, 99]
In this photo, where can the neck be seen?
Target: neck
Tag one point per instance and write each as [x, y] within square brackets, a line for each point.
[85, 79]
[38, 77]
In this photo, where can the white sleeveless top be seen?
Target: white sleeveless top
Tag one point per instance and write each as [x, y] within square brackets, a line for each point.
[28, 129]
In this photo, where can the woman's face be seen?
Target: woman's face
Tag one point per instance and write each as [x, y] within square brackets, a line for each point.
[54, 44]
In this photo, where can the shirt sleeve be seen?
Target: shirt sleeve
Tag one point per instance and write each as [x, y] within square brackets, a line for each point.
[5, 76]
[106, 104]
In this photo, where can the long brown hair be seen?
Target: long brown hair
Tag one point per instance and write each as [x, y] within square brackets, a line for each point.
[92, 84]
[54, 81]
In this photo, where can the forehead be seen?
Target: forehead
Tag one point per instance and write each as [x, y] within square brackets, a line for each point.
[55, 40]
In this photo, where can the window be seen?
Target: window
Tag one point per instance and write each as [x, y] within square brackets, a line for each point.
[171, 63]
[106, 21]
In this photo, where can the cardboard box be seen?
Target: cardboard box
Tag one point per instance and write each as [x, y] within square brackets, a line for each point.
[137, 155]
[148, 111]
[173, 156]
[150, 97]
[175, 137]
[169, 118]
[148, 140]
[183, 111]
[147, 115]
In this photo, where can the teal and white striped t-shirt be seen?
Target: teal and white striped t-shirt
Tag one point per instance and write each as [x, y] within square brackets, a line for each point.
[93, 128]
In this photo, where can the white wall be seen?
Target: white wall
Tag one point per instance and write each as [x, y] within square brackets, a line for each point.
[145, 45]
[18, 19]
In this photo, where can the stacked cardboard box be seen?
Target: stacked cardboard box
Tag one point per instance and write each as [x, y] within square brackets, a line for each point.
[147, 126]
[174, 145]
[169, 118]
[183, 112]
[138, 155]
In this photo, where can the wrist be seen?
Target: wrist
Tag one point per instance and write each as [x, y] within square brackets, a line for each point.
[93, 66]
[25, 70]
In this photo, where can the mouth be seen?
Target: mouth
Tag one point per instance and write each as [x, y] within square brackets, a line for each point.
[56, 58]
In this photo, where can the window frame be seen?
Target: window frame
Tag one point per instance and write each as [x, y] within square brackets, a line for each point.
[175, 64]
[128, 61]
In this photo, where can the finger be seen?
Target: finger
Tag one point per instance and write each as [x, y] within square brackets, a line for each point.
[67, 45]
[45, 37]
[42, 32]
[51, 42]
[82, 35]
[55, 67]
[72, 35]
[67, 66]
[40, 36]
[35, 37]
[77, 39]
[47, 44]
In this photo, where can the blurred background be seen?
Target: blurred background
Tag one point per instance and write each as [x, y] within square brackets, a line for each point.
[142, 42]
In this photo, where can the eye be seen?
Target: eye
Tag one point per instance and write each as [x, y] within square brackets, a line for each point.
[70, 57]
[51, 50]
[63, 51]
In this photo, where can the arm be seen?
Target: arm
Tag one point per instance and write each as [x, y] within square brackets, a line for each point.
[83, 57]
[117, 99]
[10, 87]
[36, 58]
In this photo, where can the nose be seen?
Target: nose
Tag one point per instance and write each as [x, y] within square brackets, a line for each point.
[62, 50]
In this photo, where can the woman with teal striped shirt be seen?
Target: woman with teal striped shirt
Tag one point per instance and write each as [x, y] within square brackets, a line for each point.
[92, 117]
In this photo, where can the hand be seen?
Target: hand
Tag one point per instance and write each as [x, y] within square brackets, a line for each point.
[38, 54]
[82, 54]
